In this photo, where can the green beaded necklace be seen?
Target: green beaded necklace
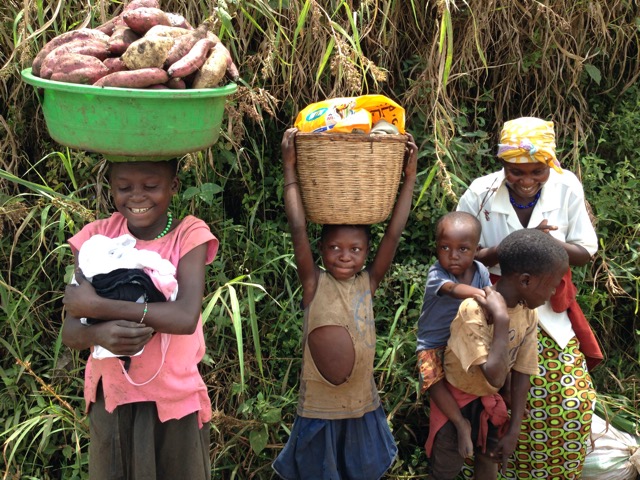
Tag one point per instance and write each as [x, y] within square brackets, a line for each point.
[168, 227]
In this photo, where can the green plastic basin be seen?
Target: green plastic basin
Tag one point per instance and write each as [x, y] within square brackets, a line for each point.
[130, 124]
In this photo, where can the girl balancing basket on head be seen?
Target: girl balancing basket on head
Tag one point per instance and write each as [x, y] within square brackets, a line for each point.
[341, 430]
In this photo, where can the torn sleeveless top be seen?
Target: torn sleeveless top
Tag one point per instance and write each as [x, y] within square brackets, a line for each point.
[348, 304]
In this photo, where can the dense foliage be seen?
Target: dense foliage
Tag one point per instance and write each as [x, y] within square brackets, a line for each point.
[459, 70]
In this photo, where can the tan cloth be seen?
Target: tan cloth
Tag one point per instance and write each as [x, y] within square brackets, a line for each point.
[470, 342]
[348, 304]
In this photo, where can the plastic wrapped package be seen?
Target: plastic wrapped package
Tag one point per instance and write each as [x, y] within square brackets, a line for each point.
[612, 454]
[350, 114]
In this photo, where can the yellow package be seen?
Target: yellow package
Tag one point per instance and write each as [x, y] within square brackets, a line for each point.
[350, 114]
[359, 121]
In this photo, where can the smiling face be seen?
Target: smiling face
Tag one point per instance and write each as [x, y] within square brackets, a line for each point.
[344, 250]
[526, 179]
[456, 246]
[142, 192]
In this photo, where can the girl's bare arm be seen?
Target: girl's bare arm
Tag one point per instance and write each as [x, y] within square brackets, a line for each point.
[307, 269]
[119, 336]
[178, 317]
[389, 243]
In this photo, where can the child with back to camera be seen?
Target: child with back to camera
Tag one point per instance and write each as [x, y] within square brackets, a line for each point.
[491, 336]
[454, 276]
[141, 428]
[340, 431]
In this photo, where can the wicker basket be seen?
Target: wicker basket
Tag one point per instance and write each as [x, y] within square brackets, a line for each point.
[349, 179]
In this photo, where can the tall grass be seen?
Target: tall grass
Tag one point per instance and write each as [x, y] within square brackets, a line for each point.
[459, 69]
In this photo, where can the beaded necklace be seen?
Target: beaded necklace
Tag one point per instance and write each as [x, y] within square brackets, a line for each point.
[168, 227]
[528, 205]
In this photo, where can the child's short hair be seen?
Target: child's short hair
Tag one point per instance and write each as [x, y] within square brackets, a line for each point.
[531, 251]
[172, 165]
[461, 218]
[327, 228]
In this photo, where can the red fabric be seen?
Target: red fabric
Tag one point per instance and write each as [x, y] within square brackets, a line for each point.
[565, 299]
[495, 411]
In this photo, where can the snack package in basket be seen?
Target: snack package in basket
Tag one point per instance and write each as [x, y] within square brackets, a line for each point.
[350, 114]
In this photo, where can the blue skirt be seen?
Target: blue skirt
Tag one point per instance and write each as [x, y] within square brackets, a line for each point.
[349, 449]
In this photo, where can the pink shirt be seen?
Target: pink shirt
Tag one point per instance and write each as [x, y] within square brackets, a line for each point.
[178, 389]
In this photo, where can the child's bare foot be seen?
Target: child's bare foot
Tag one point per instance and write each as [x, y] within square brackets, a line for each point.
[465, 444]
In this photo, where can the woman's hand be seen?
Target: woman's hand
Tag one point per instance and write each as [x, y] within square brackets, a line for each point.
[544, 227]
[578, 255]
[488, 256]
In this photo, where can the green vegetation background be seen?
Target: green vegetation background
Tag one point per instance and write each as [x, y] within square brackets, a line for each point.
[460, 69]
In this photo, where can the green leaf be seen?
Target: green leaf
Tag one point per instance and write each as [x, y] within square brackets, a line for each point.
[273, 415]
[206, 192]
[258, 439]
[190, 192]
[594, 72]
[236, 320]
[209, 190]
[325, 58]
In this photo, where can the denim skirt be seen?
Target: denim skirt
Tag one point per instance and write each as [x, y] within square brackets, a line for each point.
[348, 449]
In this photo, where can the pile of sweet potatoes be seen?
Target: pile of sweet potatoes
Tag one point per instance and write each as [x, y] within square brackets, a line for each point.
[143, 47]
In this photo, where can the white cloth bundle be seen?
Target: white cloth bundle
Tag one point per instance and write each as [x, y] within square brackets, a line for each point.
[613, 454]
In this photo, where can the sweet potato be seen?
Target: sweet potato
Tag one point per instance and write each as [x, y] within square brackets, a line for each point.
[158, 86]
[110, 25]
[141, 3]
[81, 34]
[87, 75]
[147, 52]
[213, 70]
[193, 60]
[120, 40]
[141, 78]
[164, 31]
[232, 71]
[178, 20]
[78, 68]
[142, 19]
[115, 64]
[92, 47]
[213, 37]
[73, 61]
[176, 84]
[183, 44]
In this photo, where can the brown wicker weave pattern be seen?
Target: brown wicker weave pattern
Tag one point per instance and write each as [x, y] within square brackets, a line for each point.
[349, 178]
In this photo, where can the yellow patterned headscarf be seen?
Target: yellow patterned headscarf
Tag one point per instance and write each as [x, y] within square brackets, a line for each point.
[529, 140]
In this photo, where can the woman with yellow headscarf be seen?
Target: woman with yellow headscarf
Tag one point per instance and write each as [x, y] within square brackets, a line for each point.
[533, 191]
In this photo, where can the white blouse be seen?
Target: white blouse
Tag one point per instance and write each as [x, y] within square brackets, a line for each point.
[561, 203]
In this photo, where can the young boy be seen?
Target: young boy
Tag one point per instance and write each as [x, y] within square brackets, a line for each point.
[452, 278]
[490, 337]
